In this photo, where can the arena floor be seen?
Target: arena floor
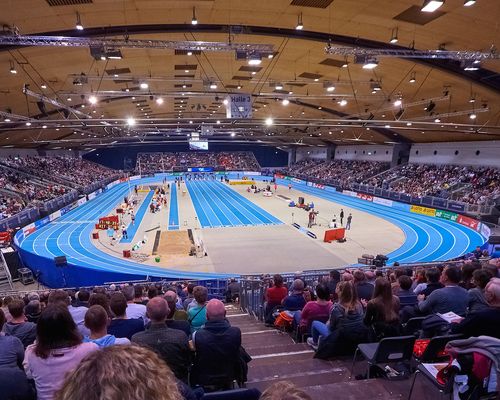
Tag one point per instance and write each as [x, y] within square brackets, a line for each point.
[245, 233]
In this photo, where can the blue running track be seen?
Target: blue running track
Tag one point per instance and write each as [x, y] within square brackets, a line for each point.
[132, 229]
[217, 205]
[173, 217]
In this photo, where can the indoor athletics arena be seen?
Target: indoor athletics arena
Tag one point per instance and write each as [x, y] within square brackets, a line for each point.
[230, 200]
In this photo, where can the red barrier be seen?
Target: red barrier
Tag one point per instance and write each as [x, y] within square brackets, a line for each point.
[470, 222]
[126, 253]
[334, 234]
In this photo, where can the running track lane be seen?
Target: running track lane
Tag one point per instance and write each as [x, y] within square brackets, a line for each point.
[143, 208]
[70, 236]
[427, 238]
[173, 216]
[217, 205]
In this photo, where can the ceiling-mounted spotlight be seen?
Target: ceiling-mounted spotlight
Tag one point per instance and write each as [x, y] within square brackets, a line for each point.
[159, 101]
[431, 5]
[278, 86]
[194, 20]
[285, 102]
[299, 25]
[143, 85]
[233, 134]
[398, 102]
[430, 106]
[375, 86]
[12, 69]
[472, 99]
[225, 102]
[78, 25]
[345, 63]
[413, 78]
[437, 120]
[213, 85]
[189, 53]
[329, 86]
[269, 121]
[43, 86]
[394, 35]
[130, 121]
[254, 59]
[238, 87]
[93, 99]
[472, 116]
[468, 3]
[370, 63]
[343, 102]
[471, 65]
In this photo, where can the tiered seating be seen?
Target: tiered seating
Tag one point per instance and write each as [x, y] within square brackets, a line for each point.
[230, 161]
[338, 172]
[72, 170]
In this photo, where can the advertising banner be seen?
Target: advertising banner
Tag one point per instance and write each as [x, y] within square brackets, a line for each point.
[431, 212]
[252, 173]
[81, 201]
[29, 229]
[363, 196]
[470, 222]
[55, 215]
[279, 176]
[384, 202]
[330, 189]
[134, 178]
[110, 185]
[400, 206]
[439, 202]
[450, 216]
[456, 206]
[297, 180]
[485, 231]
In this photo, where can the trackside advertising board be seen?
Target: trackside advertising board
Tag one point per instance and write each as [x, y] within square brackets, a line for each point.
[469, 222]
[450, 216]
[431, 212]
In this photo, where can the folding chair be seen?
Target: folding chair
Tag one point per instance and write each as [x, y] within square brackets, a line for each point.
[413, 325]
[388, 350]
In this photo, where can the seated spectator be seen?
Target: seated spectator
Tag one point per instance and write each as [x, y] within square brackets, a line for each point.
[197, 315]
[318, 310]
[476, 299]
[345, 328]
[121, 326]
[58, 350]
[284, 390]
[11, 348]
[142, 375]
[14, 385]
[275, 294]
[450, 298]
[96, 320]
[363, 288]
[217, 348]
[175, 313]
[394, 279]
[77, 313]
[333, 282]
[485, 322]
[420, 281]
[382, 311]
[467, 272]
[405, 295]
[139, 295]
[170, 344]
[102, 300]
[18, 327]
[295, 301]
[433, 275]
[134, 310]
[33, 310]
[189, 298]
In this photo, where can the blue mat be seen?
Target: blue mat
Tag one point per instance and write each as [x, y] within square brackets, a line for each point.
[173, 217]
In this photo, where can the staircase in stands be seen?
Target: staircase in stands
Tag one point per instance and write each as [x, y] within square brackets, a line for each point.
[276, 357]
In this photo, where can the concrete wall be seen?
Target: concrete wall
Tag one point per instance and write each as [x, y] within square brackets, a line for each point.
[459, 153]
[364, 153]
[316, 153]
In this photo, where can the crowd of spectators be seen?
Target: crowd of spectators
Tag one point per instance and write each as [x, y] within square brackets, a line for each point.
[338, 172]
[341, 310]
[57, 339]
[473, 185]
[71, 169]
[230, 161]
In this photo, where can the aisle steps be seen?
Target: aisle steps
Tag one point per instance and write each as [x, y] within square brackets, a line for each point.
[276, 357]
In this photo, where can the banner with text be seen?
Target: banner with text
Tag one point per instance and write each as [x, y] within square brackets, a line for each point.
[431, 212]
[363, 196]
[384, 202]
[239, 106]
[450, 216]
[108, 222]
[485, 231]
[470, 222]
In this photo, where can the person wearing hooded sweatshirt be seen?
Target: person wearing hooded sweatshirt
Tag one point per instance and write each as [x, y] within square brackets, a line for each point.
[18, 326]
[96, 320]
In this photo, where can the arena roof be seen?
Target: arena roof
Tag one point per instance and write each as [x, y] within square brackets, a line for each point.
[47, 103]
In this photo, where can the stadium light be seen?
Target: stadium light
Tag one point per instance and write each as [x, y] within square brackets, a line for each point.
[130, 121]
[431, 5]
[269, 121]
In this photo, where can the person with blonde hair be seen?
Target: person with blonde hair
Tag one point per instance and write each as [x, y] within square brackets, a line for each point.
[284, 390]
[121, 373]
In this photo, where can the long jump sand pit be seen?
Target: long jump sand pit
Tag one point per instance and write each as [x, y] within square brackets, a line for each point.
[174, 243]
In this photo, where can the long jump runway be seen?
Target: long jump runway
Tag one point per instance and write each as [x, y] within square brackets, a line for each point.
[217, 205]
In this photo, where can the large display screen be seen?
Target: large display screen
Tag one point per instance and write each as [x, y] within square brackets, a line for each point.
[198, 145]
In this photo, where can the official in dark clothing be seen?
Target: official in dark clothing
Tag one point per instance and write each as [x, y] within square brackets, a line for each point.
[342, 216]
[217, 345]
[170, 344]
[348, 225]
